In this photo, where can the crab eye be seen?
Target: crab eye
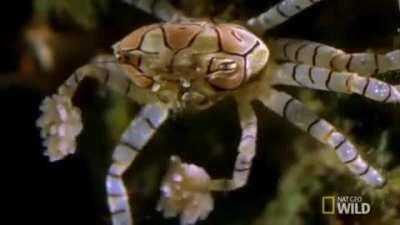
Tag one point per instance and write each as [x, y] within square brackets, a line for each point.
[222, 64]
[227, 66]
[225, 73]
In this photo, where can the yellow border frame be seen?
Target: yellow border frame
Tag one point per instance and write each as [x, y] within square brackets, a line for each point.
[333, 200]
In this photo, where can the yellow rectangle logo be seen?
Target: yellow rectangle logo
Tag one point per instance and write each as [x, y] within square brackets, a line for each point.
[328, 205]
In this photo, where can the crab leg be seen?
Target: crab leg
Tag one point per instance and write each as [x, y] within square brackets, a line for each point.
[61, 122]
[105, 70]
[278, 14]
[247, 150]
[295, 112]
[321, 55]
[139, 132]
[303, 75]
[162, 9]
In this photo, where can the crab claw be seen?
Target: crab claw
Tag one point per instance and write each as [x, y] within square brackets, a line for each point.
[60, 123]
[185, 191]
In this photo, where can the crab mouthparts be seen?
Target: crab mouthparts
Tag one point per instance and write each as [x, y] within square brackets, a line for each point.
[192, 98]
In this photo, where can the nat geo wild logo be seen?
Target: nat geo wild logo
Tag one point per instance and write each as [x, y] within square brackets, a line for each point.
[345, 205]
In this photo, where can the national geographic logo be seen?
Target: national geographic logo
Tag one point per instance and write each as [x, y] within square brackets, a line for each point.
[347, 205]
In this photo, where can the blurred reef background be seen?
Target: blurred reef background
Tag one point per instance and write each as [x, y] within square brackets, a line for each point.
[45, 40]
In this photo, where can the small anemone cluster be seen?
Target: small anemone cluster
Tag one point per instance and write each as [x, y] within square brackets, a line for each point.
[60, 123]
[185, 191]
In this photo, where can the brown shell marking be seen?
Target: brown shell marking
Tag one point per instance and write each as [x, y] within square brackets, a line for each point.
[235, 40]
[134, 40]
[178, 36]
[231, 39]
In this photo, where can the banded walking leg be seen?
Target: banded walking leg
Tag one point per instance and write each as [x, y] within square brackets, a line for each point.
[321, 55]
[60, 121]
[247, 151]
[304, 75]
[133, 140]
[295, 112]
[278, 14]
[105, 70]
[162, 9]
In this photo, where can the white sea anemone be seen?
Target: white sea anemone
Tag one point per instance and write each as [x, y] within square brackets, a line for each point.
[60, 123]
[185, 191]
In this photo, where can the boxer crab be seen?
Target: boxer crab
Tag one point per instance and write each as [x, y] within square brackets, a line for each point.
[185, 64]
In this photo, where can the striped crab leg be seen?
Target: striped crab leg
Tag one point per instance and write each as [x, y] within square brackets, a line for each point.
[321, 55]
[298, 114]
[60, 121]
[303, 75]
[278, 14]
[137, 135]
[103, 69]
[162, 9]
[247, 151]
